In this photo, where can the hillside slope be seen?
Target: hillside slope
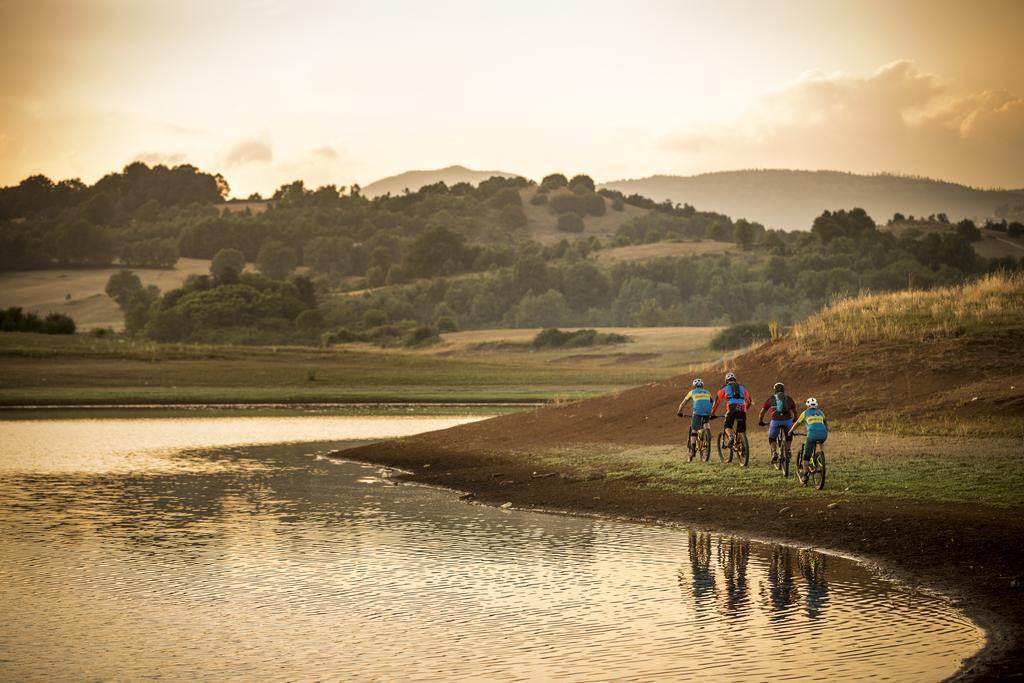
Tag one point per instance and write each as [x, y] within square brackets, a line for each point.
[790, 200]
[892, 359]
[414, 180]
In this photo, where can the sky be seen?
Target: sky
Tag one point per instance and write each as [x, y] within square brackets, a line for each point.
[349, 92]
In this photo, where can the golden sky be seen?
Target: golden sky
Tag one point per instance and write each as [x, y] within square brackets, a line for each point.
[341, 92]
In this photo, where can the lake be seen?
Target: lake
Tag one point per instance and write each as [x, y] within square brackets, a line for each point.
[233, 549]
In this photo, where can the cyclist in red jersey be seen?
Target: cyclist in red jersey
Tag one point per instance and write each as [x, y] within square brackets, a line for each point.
[738, 401]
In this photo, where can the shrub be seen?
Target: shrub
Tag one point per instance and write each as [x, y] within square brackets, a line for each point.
[421, 335]
[556, 338]
[539, 199]
[570, 222]
[554, 181]
[738, 336]
[447, 324]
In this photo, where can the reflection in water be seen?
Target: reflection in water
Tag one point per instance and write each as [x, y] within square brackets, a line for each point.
[812, 564]
[782, 590]
[733, 554]
[270, 563]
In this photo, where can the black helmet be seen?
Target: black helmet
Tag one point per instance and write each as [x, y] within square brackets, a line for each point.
[779, 386]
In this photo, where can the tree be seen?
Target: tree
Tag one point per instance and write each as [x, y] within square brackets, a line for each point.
[743, 233]
[570, 222]
[541, 310]
[554, 181]
[512, 217]
[968, 230]
[276, 260]
[227, 259]
[582, 181]
[122, 285]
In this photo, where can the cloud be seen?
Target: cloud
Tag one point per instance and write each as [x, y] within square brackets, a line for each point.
[897, 119]
[157, 158]
[250, 150]
[326, 152]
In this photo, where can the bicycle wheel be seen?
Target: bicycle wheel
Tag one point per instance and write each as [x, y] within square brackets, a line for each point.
[742, 450]
[705, 442]
[722, 448]
[777, 462]
[801, 466]
[818, 472]
[784, 455]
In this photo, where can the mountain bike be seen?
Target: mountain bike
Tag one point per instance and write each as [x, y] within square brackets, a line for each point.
[783, 451]
[812, 471]
[739, 449]
[702, 444]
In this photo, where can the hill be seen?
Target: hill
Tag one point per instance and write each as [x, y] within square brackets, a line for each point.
[414, 180]
[925, 357]
[790, 200]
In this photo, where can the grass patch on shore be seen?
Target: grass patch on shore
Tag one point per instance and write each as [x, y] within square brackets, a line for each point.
[39, 369]
[986, 471]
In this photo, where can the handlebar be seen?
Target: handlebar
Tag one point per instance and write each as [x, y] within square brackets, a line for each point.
[710, 417]
[799, 433]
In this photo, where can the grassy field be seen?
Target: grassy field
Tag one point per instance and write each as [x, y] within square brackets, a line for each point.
[957, 470]
[80, 294]
[673, 349]
[42, 369]
[542, 225]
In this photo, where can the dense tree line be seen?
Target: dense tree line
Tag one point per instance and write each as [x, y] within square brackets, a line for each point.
[134, 216]
[798, 273]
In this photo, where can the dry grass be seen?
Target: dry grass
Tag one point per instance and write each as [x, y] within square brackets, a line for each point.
[543, 225]
[991, 305]
[646, 252]
[671, 348]
[80, 292]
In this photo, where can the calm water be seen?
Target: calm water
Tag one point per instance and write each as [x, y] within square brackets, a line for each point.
[128, 554]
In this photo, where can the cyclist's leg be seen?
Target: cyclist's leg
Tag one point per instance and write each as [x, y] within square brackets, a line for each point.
[730, 419]
[773, 434]
[695, 424]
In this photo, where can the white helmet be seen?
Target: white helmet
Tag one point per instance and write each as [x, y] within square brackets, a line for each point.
[698, 382]
[812, 403]
[730, 377]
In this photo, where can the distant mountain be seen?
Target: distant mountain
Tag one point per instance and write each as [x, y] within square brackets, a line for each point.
[414, 180]
[792, 199]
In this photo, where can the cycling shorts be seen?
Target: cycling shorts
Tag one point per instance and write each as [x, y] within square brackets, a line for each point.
[775, 425]
[699, 421]
[737, 416]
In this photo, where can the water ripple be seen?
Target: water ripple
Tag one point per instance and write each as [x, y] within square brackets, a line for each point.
[265, 563]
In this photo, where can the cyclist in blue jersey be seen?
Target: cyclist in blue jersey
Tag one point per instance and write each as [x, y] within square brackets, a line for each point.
[701, 398]
[817, 427]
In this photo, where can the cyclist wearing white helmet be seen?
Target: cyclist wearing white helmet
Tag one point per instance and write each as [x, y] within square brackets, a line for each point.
[817, 427]
[701, 398]
[782, 409]
[738, 401]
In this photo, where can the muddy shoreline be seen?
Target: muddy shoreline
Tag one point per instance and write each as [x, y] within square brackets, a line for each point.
[961, 551]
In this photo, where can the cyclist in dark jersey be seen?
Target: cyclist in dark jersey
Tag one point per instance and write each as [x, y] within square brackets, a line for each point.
[738, 401]
[782, 409]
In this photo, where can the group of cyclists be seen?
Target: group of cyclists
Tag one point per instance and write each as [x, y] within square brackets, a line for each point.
[780, 407]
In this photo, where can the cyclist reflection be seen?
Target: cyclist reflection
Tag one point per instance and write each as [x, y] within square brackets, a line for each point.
[812, 564]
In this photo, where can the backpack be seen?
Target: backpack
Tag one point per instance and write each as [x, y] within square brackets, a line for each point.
[736, 391]
[781, 406]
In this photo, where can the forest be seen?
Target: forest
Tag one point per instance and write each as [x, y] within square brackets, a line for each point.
[334, 265]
